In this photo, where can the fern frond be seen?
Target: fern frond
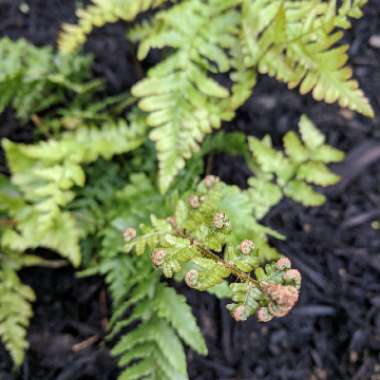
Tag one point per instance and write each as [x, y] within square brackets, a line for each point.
[167, 358]
[153, 345]
[33, 79]
[15, 307]
[47, 172]
[184, 103]
[98, 14]
[210, 240]
[173, 308]
[161, 319]
[291, 174]
[162, 314]
[214, 234]
[307, 57]
[57, 231]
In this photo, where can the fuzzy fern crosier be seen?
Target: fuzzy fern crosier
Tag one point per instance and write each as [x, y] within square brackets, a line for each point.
[117, 185]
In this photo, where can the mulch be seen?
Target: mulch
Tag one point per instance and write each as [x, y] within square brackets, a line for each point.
[333, 333]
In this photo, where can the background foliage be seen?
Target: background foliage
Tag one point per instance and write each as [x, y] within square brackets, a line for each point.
[50, 207]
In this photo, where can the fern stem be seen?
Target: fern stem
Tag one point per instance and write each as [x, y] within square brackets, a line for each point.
[8, 222]
[242, 276]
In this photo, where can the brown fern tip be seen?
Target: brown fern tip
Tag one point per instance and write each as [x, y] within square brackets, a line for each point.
[264, 315]
[210, 181]
[194, 201]
[191, 278]
[282, 298]
[158, 257]
[247, 246]
[283, 263]
[129, 234]
[293, 275]
[220, 220]
[239, 314]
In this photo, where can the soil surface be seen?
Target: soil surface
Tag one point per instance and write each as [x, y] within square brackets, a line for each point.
[333, 333]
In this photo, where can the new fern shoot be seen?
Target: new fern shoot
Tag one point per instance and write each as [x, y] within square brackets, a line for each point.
[117, 185]
[214, 235]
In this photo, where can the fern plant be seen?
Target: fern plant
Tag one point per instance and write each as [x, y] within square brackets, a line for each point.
[154, 346]
[294, 41]
[214, 233]
[91, 190]
[35, 79]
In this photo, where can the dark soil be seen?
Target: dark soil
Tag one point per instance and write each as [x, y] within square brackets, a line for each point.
[334, 332]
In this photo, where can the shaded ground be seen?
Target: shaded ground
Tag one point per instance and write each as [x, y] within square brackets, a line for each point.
[334, 333]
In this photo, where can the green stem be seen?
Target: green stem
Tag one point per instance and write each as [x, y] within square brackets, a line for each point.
[242, 276]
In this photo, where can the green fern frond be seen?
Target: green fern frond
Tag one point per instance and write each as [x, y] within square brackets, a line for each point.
[214, 234]
[15, 305]
[161, 319]
[184, 103]
[162, 314]
[15, 314]
[57, 231]
[98, 14]
[307, 56]
[211, 239]
[152, 347]
[167, 359]
[46, 174]
[81, 146]
[173, 308]
[291, 174]
[33, 79]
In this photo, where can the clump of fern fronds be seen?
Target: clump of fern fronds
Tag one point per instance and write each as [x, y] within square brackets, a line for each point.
[214, 235]
[211, 237]
[295, 41]
[46, 174]
[35, 79]
[161, 319]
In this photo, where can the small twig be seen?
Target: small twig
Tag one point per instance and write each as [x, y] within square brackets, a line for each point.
[210, 161]
[103, 309]
[54, 263]
[36, 120]
[8, 222]
[85, 344]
